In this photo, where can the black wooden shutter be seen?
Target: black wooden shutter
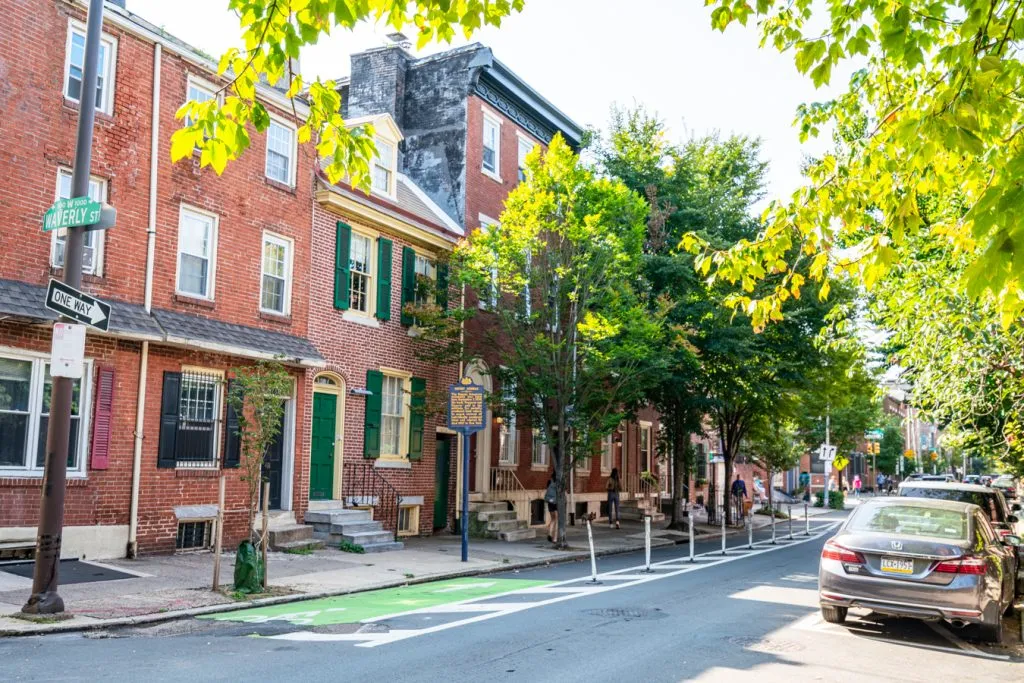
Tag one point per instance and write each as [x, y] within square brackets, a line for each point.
[169, 405]
[232, 439]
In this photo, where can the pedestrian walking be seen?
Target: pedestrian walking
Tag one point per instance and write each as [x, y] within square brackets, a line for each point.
[551, 498]
[739, 493]
[856, 485]
[614, 487]
[880, 483]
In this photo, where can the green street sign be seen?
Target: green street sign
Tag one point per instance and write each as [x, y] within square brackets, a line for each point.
[72, 213]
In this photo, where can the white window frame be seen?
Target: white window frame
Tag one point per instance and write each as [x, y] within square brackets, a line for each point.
[193, 81]
[289, 249]
[538, 447]
[109, 73]
[491, 119]
[524, 146]
[508, 435]
[96, 235]
[293, 154]
[647, 428]
[212, 271]
[701, 461]
[371, 277]
[607, 453]
[392, 170]
[218, 419]
[37, 380]
[403, 430]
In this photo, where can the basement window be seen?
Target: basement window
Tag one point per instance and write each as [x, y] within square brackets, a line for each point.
[194, 535]
[408, 520]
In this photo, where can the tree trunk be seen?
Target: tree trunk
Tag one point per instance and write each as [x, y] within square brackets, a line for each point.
[681, 469]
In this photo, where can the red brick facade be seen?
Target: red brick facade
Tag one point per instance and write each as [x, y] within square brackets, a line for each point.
[38, 128]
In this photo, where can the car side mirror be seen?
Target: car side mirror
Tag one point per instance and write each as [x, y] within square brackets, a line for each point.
[1012, 519]
[1015, 507]
[1010, 539]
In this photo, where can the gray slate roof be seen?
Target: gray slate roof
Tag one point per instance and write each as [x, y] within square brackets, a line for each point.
[24, 300]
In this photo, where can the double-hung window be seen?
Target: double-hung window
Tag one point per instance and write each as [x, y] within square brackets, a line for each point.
[197, 237]
[539, 454]
[392, 416]
[507, 442]
[607, 453]
[525, 147]
[491, 163]
[74, 68]
[281, 152]
[25, 390]
[92, 248]
[426, 280]
[200, 92]
[645, 448]
[275, 292]
[701, 459]
[194, 413]
[360, 263]
[384, 168]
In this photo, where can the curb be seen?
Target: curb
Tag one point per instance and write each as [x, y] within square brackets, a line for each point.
[160, 617]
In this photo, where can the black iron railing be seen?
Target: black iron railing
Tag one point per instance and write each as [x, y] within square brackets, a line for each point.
[362, 486]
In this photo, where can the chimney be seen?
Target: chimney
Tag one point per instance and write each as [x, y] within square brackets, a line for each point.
[377, 83]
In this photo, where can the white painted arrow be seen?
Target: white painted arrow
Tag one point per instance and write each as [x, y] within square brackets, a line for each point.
[96, 314]
[465, 586]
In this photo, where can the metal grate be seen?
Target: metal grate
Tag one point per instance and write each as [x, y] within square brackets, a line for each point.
[193, 535]
[198, 417]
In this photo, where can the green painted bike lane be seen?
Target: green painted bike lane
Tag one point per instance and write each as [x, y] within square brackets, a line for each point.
[357, 607]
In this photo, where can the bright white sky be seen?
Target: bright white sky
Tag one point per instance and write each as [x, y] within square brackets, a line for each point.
[584, 55]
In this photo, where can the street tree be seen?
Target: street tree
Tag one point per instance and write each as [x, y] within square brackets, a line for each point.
[574, 333]
[932, 108]
[890, 449]
[774, 446]
[255, 399]
[273, 33]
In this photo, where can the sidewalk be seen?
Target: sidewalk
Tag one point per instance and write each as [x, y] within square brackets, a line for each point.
[166, 587]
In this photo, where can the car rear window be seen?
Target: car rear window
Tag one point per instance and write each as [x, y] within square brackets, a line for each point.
[986, 501]
[911, 520]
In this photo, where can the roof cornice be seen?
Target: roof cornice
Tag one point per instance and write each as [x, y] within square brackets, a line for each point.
[342, 203]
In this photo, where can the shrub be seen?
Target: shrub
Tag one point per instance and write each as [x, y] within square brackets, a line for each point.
[836, 500]
[347, 547]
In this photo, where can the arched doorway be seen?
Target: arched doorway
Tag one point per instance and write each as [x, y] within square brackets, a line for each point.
[480, 443]
[327, 444]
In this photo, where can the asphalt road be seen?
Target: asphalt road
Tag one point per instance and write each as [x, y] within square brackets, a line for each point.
[747, 615]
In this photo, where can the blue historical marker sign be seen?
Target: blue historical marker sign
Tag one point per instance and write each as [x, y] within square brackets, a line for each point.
[467, 407]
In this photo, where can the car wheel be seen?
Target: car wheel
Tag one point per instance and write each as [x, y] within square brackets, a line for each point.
[1008, 612]
[833, 615]
[988, 633]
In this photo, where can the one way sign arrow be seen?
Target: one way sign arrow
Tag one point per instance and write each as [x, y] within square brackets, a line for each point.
[69, 302]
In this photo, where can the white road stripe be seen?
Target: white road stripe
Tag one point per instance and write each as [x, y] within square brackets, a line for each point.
[562, 591]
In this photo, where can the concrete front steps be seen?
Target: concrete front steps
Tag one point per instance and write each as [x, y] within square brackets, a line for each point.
[293, 537]
[495, 520]
[353, 526]
[636, 509]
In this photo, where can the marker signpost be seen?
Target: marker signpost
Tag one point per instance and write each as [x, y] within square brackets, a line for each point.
[467, 414]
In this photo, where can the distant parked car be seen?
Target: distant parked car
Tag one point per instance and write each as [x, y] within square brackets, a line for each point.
[991, 501]
[913, 477]
[1007, 484]
[972, 479]
[937, 477]
[922, 559]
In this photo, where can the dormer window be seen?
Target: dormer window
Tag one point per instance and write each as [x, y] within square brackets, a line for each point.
[384, 168]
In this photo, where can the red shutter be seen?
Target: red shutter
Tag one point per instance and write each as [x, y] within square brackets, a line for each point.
[101, 419]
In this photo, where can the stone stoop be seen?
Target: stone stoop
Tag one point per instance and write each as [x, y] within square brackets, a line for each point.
[636, 509]
[495, 520]
[353, 526]
[293, 537]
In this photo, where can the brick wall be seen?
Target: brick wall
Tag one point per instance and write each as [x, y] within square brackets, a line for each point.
[352, 348]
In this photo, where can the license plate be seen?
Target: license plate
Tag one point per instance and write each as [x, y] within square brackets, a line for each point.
[895, 565]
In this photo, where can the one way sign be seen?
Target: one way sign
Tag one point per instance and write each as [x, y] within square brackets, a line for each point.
[69, 302]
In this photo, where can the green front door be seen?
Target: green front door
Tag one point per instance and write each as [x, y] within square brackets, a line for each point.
[321, 458]
[441, 473]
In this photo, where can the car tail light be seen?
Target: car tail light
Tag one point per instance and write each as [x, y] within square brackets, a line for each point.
[967, 565]
[1003, 533]
[834, 551]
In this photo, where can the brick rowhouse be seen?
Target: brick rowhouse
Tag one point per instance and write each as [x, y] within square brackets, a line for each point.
[228, 282]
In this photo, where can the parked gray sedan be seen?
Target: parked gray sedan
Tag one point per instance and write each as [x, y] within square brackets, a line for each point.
[924, 559]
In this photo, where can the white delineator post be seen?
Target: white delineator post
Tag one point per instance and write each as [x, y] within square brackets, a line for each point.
[773, 525]
[593, 558]
[750, 529]
[220, 534]
[807, 521]
[723, 530]
[791, 521]
[690, 517]
[647, 543]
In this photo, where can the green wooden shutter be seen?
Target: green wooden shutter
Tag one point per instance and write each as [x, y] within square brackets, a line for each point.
[442, 286]
[342, 249]
[170, 398]
[417, 416]
[383, 279]
[408, 282]
[371, 423]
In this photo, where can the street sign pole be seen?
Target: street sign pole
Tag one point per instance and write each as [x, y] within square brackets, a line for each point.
[44, 598]
[828, 463]
[467, 414]
[465, 496]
